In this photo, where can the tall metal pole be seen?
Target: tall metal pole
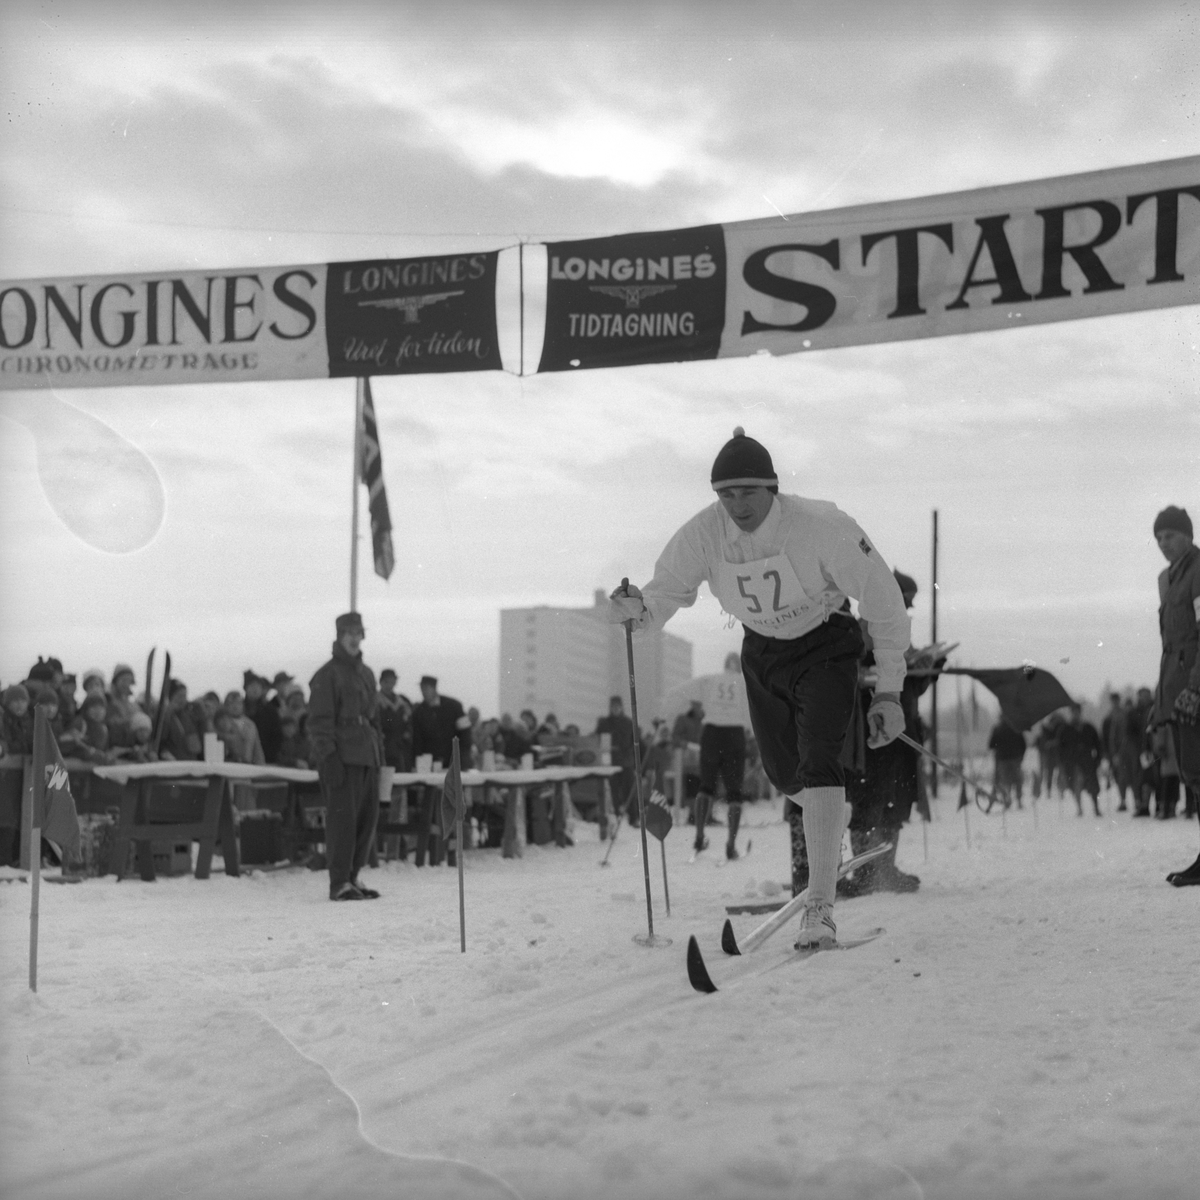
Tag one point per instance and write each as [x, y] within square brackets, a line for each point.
[358, 420]
[933, 722]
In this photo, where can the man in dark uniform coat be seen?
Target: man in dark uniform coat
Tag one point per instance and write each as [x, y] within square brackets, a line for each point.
[620, 728]
[1177, 700]
[343, 730]
[436, 722]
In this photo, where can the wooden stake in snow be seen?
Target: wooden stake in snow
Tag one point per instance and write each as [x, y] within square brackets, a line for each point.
[452, 815]
[35, 874]
[51, 811]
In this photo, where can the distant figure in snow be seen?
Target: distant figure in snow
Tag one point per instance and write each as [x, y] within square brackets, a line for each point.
[1079, 752]
[1007, 744]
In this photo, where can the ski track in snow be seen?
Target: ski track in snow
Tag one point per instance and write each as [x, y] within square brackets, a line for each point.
[468, 1168]
[1026, 1026]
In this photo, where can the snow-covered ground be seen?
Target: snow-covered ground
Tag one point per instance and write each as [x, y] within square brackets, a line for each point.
[1028, 1026]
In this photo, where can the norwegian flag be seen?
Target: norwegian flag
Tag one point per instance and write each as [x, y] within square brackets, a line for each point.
[371, 472]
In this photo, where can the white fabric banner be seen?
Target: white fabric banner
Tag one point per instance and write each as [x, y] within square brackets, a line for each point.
[996, 258]
[223, 326]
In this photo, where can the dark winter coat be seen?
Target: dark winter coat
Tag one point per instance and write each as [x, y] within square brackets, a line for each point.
[1079, 746]
[1007, 743]
[343, 711]
[395, 723]
[1179, 624]
[434, 728]
[620, 728]
[266, 720]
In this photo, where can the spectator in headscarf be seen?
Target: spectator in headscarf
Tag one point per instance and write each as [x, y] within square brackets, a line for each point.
[181, 738]
[248, 746]
[87, 737]
[121, 705]
[16, 721]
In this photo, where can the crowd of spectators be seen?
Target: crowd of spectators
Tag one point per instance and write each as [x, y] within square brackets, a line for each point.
[1075, 757]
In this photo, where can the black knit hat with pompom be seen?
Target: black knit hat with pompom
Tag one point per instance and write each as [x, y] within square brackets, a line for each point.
[743, 462]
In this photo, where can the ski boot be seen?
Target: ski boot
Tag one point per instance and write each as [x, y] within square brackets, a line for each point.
[817, 930]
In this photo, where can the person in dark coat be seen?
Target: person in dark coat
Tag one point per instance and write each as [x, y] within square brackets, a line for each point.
[1079, 751]
[1112, 737]
[395, 722]
[264, 714]
[1007, 744]
[620, 728]
[1177, 699]
[436, 722]
[343, 731]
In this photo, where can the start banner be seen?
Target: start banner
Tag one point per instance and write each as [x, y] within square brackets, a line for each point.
[996, 258]
[380, 317]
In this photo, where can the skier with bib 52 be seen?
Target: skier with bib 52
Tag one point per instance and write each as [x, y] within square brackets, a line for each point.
[787, 567]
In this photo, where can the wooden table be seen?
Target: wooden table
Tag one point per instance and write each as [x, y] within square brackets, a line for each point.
[516, 784]
[216, 822]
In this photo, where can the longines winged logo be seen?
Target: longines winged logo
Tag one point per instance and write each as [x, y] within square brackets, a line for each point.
[633, 293]
[410, 305]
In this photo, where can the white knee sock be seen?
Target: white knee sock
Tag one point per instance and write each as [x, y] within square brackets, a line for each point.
[824, 819]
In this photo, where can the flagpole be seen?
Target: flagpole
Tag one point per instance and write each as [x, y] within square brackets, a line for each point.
[458, 839]
[933, 721]
[358, 420]
[35, 875]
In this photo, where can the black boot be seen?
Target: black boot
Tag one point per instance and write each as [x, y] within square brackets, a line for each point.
[799, 848]
[735, 819]
[1188, 877]
[863, 880]
[889, 877]
[1168, 797]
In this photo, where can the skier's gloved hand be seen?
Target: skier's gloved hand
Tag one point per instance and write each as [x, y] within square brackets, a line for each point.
[1187, 706]
[885, 719]
[626, 604]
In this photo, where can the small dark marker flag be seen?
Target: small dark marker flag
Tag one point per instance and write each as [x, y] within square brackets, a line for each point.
[962, 795]
[453, 805]
[371, 470]
[53, 809]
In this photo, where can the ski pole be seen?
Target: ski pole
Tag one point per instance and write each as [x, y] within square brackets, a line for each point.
[946, 766]
[612, 840]
[650, 939]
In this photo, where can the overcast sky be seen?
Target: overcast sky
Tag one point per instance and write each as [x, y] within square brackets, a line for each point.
[138, 139]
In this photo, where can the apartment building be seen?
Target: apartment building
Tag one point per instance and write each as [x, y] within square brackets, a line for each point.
[569, 661]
